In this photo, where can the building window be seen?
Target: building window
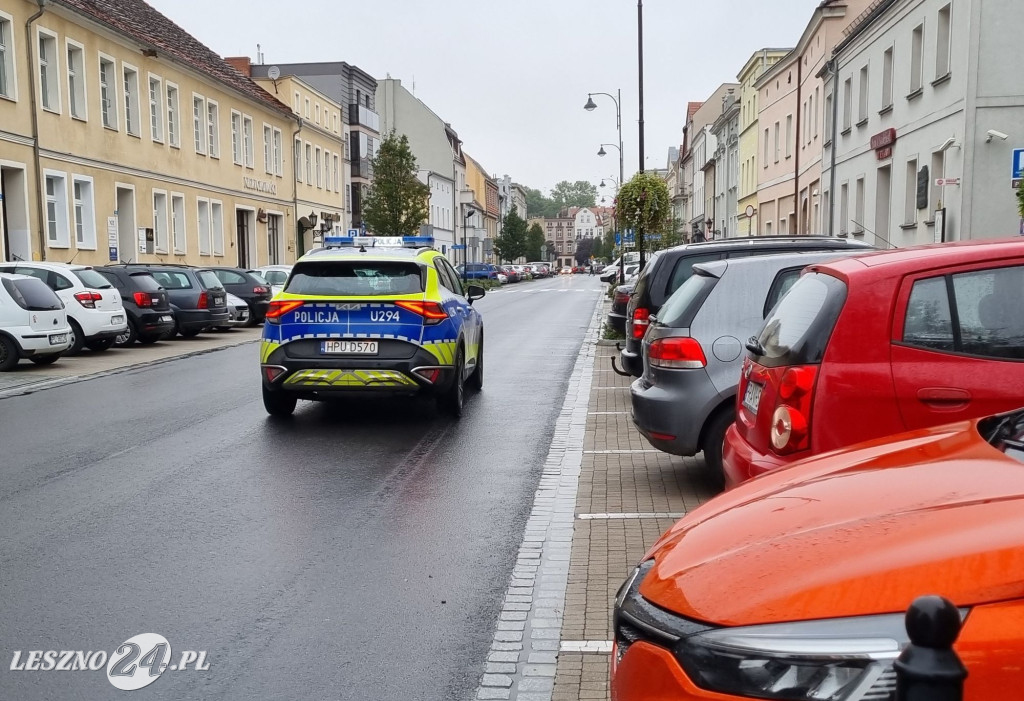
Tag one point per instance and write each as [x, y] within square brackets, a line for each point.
[217, 227]
[236, 137]
[204, 227]
[910, 210]
[76, 81]
[916, 59]
[309, 164]
[295, 103]
[108, 106]
[298, 160]
[178, 224]
[131, 101]
[887, 69]
[829, 126]
[318, 113]
[306, 113]
[7, 74]
[327, 170]
[943, 44]
[85, 218]
[198, 126]
[268, 159]
[858, 206]
[160, 221]
[844, 209]
[319, 181]
[57, 233]
[156, 112]
[337, 180]
[789, 135]
[278, 152]
[847, 104]
[815, 104]
[862, 111]
[248, 137]
[48, 81]
[213, 128]
[777, 142]
[173, 128]
[938, 171]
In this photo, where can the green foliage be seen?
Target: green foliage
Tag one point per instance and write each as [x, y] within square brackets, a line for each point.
[584, 249]
[644, 205]
[534, 242]
[578, 194]
[510, 244]
[539, 205]
[598, 252]
[397, 202]
[1020, 198]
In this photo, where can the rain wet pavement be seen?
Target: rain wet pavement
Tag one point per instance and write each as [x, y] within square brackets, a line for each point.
[357, 551]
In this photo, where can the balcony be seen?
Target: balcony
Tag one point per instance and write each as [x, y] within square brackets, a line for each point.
[359, 116]
[362, 168]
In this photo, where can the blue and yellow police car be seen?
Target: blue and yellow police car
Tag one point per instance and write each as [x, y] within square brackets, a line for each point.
[374, 314]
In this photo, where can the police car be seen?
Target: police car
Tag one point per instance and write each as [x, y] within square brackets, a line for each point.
[377, 314]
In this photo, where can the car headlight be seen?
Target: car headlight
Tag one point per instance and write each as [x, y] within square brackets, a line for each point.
[839, 659]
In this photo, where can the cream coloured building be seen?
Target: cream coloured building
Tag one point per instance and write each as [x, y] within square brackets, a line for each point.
[122, 137]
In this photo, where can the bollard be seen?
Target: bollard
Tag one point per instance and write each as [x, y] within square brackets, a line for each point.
[929, 669]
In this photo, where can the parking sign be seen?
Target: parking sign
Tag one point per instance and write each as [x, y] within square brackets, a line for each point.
[1018, 164]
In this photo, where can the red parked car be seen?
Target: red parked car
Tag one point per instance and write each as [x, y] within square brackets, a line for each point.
[870, 346]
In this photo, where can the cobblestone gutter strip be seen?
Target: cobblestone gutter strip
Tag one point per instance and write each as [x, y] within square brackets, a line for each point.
[524, 652]
[32, 387]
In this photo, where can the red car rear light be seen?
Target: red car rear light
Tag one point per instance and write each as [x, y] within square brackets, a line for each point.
[88, 299]
[676, 353]
[280, 307]
[259, 290]
[143, 299]
[432, 312]
[621, 297]
[640, 321]
[790, 430]
[204, 301]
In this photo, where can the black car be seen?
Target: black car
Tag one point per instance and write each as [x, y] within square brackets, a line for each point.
[198, 299]
[668, 269]
[620, 298]
[148, 307]
[249, 287]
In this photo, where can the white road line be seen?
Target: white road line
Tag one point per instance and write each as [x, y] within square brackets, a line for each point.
[630, 516]
[604, 646]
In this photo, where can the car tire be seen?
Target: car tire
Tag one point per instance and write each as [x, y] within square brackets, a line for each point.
[48, 359]
[476, 380]
[712, 444]
[279, 403]
[453, 399]
[77, 338]
[8, 354]
[127, 338]
[190, 333]
[150, 340]
[100, 344]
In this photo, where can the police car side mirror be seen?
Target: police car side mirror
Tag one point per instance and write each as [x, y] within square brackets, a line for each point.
[474, 292]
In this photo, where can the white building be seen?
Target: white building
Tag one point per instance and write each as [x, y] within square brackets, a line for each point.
[726, 131]
[587, 224]
[925, 91]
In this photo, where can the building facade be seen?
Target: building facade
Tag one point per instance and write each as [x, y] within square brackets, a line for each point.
[919, 103]
[699, 145]
[143, 145]
[562, 231]
[483, 225]
[726, 131]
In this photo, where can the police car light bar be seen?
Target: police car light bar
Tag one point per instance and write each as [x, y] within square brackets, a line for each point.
[379, 241]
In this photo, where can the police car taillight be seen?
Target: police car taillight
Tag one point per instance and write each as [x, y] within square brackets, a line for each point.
[280, 307]
[432, 312]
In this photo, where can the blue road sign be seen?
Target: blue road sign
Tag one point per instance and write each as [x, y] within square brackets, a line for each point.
[353, 232]
[458, 247]
[653, 237]
[618, 239]
[1018, 164]
[113, 254]
[630, 236]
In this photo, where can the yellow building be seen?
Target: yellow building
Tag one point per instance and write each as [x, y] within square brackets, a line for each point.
[747, 201]
[122, 137]
[485, 202]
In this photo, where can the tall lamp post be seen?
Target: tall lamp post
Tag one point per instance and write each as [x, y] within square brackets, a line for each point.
[615, 222]
[590, 107]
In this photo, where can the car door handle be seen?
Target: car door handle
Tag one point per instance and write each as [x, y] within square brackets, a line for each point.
[944, 397]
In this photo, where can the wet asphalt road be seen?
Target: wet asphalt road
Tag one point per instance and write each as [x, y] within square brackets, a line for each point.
[359, 551]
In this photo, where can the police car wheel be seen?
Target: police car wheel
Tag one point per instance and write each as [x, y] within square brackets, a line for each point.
[452, 400]
[278, 403]
[476, 380]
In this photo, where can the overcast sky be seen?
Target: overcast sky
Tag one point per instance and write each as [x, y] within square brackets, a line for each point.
[512, 77]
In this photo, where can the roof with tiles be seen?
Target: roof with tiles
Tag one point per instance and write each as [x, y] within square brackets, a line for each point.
[138, 21]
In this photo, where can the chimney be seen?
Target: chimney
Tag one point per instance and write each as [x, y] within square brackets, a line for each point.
[242, 64]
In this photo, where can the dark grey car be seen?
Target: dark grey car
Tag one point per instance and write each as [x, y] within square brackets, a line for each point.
[693, 351]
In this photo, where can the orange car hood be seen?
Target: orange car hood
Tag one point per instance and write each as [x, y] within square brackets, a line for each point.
[852, 532]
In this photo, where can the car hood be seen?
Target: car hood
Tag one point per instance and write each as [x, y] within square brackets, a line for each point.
[852, 532]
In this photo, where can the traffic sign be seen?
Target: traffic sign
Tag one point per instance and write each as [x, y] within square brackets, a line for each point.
[459, 247]
[1017, 169]
[353, 232]
[618, 239]
[939, 182]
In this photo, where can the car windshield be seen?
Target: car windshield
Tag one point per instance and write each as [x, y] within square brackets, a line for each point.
[92, 279]
[33, 295]
[798, 329]
[356, 278]
[209, 280]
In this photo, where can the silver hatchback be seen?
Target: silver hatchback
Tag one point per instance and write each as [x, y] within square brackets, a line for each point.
[693, 351]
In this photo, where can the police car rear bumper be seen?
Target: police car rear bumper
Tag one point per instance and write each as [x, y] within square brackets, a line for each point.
[421, 373]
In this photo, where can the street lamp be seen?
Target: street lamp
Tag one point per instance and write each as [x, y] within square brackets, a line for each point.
[590, 107]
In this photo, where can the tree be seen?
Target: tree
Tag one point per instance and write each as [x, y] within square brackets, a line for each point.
[598, 251]
[534, 242]
[396, 202]
[577, 194]
[510, 244]
[644, 206]
[539, 205]
[1020, 198]
[584, 249]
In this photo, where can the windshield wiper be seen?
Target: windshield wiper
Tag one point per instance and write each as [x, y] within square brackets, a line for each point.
[1005, 427]
[754, 346]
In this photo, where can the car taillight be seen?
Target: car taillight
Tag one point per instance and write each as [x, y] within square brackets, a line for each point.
[204, 301]
[280, 307]
[259, 290]
[791, 421]
[432, 312]
[640, 321]
[676, 353]
[621, 297]
[142, 299]
[88, 299]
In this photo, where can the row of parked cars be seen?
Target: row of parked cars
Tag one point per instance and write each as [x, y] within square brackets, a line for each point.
[52, 309]
[876, 398]
[503, 273]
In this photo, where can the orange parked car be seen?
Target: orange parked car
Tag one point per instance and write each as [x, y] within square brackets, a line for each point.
[794, 585]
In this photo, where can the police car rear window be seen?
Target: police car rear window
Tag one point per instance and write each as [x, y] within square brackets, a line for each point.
[356, 278]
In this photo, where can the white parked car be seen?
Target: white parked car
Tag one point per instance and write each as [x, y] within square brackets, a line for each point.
[275, 275]
[93, 305]
[238, 313]
[33, 323]
[502, 278]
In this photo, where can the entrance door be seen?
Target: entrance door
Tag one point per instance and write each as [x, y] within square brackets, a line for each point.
[883, 195]
[127, 236]
[274, 239]
[17, 241]
[243, 238]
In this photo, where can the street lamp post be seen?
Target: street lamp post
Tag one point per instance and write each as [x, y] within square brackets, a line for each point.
[590, 107]
[465, 251]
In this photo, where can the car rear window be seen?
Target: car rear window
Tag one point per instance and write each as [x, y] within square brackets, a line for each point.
[230, 277]
[171, 280]
[275, 277]
[684, 269]
[145, 282]
[798, 329]
[356, 278]
[92, 279]
[33, 295]
[680, 309]
[209, 280]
